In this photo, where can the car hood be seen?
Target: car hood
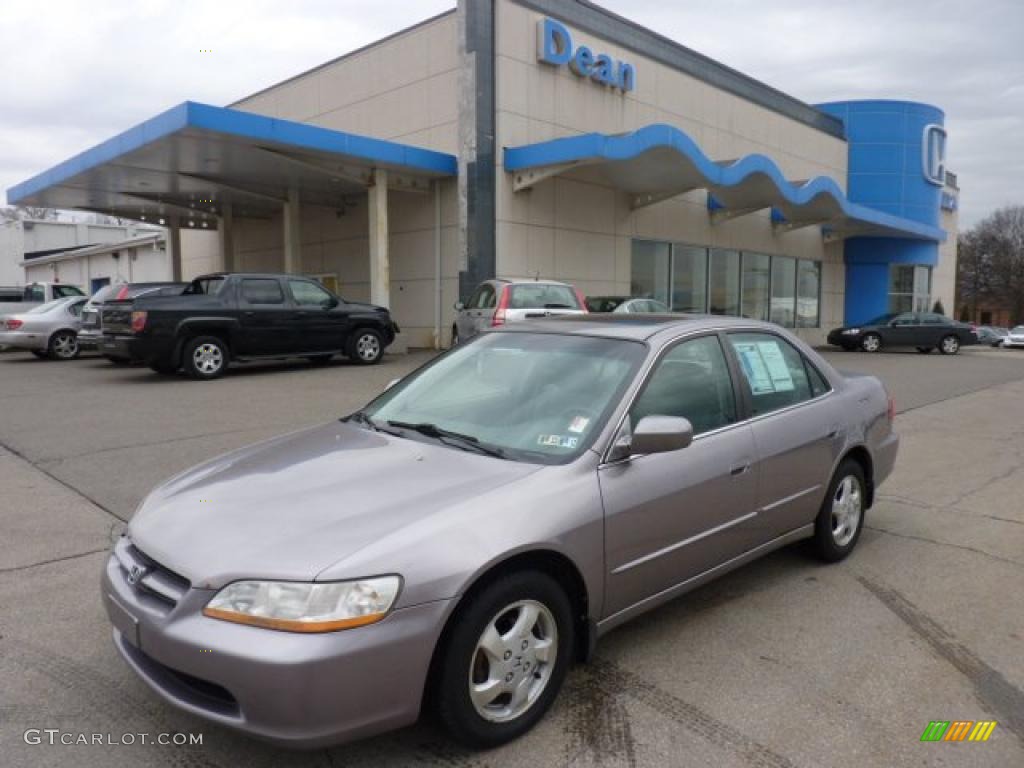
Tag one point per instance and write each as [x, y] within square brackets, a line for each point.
[291, 507]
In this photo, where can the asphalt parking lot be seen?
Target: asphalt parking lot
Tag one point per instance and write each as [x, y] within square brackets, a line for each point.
[783, 663]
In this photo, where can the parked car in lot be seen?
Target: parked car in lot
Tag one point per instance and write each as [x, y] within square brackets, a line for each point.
[497, 302]
[924, 330]
[91, 333]
[1015, 338]
[46, 330]
[222, 317]
[626, 305]
[466, 536]
[20, 299]
[991, 335]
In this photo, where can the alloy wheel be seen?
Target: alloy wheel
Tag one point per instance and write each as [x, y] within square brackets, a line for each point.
[847, 507]
[513, 661]
[65, 346]
[871, 343]
[208, 358]
[950, 345]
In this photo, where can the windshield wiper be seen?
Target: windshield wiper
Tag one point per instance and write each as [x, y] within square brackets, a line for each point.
[468, 442]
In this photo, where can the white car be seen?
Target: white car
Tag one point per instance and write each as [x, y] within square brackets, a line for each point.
[48, 330]
[497, 302]
[1015, 338]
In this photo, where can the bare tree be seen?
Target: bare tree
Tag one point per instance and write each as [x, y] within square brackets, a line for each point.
[22, 212]
[991, 262]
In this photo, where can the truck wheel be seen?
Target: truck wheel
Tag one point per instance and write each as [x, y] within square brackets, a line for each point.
[63, 346]
[365, 346]
[205, 357]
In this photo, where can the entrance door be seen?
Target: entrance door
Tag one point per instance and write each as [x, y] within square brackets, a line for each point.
[98, 282]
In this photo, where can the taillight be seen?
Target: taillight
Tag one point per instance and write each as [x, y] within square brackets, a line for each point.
[138, 321]
[499, 313]
[13, 325]
[891, 413]
[579, 298]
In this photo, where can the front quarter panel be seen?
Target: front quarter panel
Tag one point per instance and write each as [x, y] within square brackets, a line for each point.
[557, 508]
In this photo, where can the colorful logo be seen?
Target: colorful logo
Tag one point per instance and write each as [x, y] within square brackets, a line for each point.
[958, 730]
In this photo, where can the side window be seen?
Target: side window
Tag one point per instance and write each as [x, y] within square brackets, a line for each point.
[932, 319]
[474, 300]
[773, 371]
[75, 308]
[691, 381]
[484, 297]
[907, 318]
[819, 384]
[35, 293]
[309, 294]
[262, 291]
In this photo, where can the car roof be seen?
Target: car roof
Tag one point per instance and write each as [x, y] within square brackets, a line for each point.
[521, 280]
[632, 327]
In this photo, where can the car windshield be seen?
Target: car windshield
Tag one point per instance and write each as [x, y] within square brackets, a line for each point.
[543, 295]
[534, 397]
[46, 307]
[883, 319]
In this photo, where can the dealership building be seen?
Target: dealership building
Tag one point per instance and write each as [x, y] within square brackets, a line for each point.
[550, 139]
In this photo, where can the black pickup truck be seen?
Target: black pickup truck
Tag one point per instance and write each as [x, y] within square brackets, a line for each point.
[224, 317]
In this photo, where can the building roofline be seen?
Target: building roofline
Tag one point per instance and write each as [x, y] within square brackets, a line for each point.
[75, 252]
[627, 33]
[354, 52]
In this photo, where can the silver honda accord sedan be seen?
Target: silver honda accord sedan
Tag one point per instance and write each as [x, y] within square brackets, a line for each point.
[455, 545]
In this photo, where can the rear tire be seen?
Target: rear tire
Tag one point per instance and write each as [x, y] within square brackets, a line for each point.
[926, 350]
[516, 636]
[841, 518]
[871, 342]
[63, 346]
[365, 346]
[205, 358]
[949, 345]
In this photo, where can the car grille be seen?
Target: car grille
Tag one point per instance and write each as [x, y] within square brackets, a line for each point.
[154, 585]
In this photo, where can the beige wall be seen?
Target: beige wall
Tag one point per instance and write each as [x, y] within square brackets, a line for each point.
[578, 228]
[944, 275]
[404, 88]
[338, 245]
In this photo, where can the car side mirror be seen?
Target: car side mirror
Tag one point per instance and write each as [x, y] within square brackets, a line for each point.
[333, 302]
[654, 434]
[459, 306]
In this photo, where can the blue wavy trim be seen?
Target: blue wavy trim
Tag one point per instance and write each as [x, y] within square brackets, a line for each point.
[623, 147]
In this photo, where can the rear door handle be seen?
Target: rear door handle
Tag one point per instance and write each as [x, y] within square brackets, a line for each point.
[833, 432]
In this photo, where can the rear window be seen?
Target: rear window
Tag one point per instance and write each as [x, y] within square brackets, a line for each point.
[65, 291]
[208, 285]
[542, 296]
[262, 291]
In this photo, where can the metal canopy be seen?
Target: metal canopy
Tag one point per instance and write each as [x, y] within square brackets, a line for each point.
[192, 160]
[660, 161]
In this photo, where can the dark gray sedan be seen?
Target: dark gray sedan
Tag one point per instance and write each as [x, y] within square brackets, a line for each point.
[458, 543]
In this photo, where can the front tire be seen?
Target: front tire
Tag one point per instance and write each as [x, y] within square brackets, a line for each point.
[63, 346]
[505, 659]
[366, 346]
[871, 342]
[205, 358]
[841, 518]
[949, 345]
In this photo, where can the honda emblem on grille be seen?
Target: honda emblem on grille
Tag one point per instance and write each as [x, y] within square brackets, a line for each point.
[136, 573]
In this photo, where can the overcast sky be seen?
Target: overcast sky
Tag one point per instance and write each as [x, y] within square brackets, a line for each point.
[75, 73]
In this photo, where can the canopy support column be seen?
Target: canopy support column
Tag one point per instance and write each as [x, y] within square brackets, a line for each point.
[380, 266]
[174, 247]
[226, 233]
[292, 234]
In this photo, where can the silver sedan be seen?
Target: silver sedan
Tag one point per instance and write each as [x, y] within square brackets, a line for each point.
[47, 330]
[463, 539]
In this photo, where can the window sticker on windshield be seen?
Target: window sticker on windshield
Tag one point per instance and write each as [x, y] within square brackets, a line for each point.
[558, 441]
[754, 368]
[578, 424]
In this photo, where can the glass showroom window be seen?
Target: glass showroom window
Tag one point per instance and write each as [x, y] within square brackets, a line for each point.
[689, 278]
[783, 311]
[808, 294]
[650, 270]
[909, 288]
[756, 276]
[724, 282]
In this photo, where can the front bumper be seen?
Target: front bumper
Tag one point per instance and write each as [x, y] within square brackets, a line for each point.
[292, 689]
[1011, 342]
[837, 339]
[22, 340]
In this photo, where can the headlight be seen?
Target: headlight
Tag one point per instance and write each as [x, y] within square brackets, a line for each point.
[851, 331]
[297, 607]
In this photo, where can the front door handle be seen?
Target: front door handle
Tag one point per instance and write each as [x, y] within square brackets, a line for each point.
[739, 469]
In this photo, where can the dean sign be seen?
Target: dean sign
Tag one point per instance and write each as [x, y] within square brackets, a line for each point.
[554, 46]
